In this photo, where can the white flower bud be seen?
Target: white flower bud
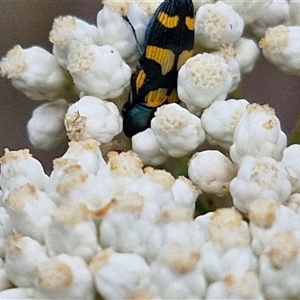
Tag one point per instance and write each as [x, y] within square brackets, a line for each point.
[36, 73]
[87, 153]
[294, 11]
[185, 193]
[279, 266]
[71, 183]
[145, 145]
[280, 46]
[175, 227]
[277, 13]
[247, 53]
[293, 202]
[122, 227]
[118, 33]
[268, 217]
[236, 286]
[177, 274]
[72, 231]
[93, 118]
[259, 178]
[5, 283]
[148, 6]
[227, 229]
[65, 30]
[250, 10]
[219, 121]
[64, 277]
[98, 70]
[19, 168]
[123, 169]
[212, 172]
[46, 128]
[21, 259]
[217, 24]
[119, 275]
[156, 187]
[228, 53]
[177, 131]
[202, 80]
[258, 134]
[291, 161]
[17, 293]
[6, 229]
[27, 206]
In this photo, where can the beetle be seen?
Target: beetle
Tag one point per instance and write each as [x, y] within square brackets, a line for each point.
[169, 42]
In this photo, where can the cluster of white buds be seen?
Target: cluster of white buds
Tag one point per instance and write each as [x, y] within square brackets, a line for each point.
[108, 224]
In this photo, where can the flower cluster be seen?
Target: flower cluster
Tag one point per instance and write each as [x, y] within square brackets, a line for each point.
[110, 224]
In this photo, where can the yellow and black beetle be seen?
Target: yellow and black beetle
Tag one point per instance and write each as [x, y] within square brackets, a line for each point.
[169, 43]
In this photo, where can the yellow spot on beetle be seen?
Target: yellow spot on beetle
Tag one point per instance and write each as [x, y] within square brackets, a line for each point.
[167, 20]
[156, 98]
[190, 23]
[183, 57]
[164, 57]
[173, 97]
[140, 80]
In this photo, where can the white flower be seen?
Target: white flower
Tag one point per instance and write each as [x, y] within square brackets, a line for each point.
[36, 73]
[280, 46]
[46, 128]
[277, 13]
[202, 80]
[98, 70]
[226, 229]
[5, 283]
[120, 275]
[21, 259]
[71, 183]
[122, 169]
[212, 172]
[259, 178]
[65, 30]
[185, 193]
[182, 273]
[177, 131]
[217, 24]
[294, 10]
[232, 286]
[247, 53]
[227, 250]
[17, 293]
[118, 33]
[86, 153]
[279, 266]
[148, 6]
[250, 10]
[72, 231]
[220, 119]
[93, 118]
[19, 168]
[27, 206]
[145, 145]
[293, 202]
[64, 277]
[124, 229]
[6, 229]
[291, 161]
[268, 217]
[258, 134]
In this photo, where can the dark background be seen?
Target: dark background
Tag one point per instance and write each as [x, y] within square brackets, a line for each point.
[28, 23]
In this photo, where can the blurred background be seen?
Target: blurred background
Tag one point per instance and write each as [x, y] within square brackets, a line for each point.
[28, 23]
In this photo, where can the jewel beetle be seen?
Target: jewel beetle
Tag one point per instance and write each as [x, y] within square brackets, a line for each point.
[169, 42]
